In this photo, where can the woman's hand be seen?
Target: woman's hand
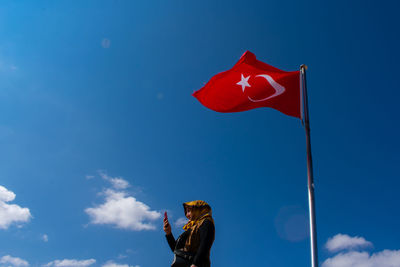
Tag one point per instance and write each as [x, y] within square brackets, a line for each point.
[167, 227]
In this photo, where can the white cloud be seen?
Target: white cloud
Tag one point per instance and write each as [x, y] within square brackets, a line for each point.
[116, 182]
[181, 222]
[71, 263]
[13, 261]
[123, 211]
[11, 213]
[341, 242]
[125, 255]
[45, 238]
[88, 177]
[119, 183]
[113, 264]
[385, 258]
[122, 256]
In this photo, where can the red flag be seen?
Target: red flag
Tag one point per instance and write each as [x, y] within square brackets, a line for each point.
[252, 84]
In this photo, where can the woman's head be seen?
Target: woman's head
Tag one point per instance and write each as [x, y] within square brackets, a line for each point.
[188, 212]
[194, 210]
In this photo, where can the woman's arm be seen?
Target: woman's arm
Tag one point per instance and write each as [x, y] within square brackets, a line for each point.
[207, 232]
[168, 234]
[171, 241]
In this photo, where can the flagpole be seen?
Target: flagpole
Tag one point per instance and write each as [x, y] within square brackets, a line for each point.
[311, 199]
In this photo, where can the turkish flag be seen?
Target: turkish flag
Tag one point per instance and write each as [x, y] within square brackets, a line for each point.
[252, 84]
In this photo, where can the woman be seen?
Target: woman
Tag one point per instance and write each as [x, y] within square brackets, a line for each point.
[192, 248]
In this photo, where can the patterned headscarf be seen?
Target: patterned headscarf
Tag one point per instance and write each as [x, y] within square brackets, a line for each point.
[201, 211]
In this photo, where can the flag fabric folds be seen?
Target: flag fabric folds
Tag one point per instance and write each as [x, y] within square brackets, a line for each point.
[252, 84]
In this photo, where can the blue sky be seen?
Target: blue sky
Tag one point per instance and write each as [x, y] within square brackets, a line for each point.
[97, 114]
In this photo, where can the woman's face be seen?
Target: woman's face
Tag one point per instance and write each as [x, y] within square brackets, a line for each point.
[189, 213]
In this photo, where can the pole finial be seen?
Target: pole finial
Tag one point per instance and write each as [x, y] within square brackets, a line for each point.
[303, 66]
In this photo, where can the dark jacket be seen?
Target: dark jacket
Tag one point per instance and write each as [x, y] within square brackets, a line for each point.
[202, 255]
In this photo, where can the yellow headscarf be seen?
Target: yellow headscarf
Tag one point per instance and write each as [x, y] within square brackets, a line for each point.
[201, 211]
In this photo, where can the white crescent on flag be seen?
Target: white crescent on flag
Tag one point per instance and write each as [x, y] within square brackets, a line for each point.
[279, 89]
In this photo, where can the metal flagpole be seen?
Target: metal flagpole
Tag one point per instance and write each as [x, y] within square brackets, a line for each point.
[311, 200]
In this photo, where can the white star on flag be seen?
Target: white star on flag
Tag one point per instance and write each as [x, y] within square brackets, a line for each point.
[244, 82]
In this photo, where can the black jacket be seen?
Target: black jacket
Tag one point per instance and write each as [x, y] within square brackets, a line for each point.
[207, 234]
